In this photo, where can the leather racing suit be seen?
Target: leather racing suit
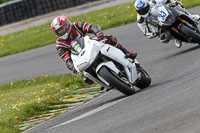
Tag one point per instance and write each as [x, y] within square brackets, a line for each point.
[80, 29]
[148, 25]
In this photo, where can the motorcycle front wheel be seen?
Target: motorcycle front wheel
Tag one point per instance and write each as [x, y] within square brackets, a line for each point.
[190, 33]
[116, 82]
[145, 79]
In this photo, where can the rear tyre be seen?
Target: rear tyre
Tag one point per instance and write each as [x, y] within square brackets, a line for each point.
[116, 82]
[145, 79]
[190, 33]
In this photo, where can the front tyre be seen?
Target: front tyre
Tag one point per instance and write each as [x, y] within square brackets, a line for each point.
[145, 79]
[115, 81]
[190, 33]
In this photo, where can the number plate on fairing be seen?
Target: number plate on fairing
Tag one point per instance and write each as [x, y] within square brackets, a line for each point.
[163, 14]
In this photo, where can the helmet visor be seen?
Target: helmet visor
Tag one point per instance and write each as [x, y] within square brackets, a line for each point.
[144, 10]
[62, 30]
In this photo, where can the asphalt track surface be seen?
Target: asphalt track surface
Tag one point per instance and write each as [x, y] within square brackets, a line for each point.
[170, 105]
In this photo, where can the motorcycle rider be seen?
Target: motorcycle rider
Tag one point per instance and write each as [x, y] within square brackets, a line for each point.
[147, 12]
[67, 32]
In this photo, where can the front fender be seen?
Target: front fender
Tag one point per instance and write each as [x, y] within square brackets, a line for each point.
[108, 64]
[111, 66]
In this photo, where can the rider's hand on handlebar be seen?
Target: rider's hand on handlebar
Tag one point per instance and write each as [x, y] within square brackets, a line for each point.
[74, 71]
[100, 35]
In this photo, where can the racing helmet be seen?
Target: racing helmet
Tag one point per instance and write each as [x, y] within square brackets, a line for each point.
[142, 7]
[61, 26]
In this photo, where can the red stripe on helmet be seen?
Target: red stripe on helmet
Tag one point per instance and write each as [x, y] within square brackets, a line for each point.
[62, 23]
[62, 20]
[52, 26]
[58, 19]
[53, 29]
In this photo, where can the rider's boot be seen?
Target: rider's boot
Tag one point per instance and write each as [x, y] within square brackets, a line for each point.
[178, 43]
[132, 55]
[196, 17]
[128, 54]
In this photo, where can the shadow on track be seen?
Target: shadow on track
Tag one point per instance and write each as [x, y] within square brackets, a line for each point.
[177, 54]
[186, 51]
[158, 84]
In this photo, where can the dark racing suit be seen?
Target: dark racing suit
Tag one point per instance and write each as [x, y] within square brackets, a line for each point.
[80, 29]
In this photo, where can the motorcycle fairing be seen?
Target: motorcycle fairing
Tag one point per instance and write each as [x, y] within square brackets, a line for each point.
[119, 56]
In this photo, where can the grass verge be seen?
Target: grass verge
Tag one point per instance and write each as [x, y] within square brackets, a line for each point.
[22, 99]
[39, 36]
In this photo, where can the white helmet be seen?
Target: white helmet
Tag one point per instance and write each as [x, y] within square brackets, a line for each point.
[142, 7]
[62, 27]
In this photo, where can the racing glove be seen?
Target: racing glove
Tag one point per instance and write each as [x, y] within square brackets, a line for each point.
[99, 35]
[74, 71]
[70, 65]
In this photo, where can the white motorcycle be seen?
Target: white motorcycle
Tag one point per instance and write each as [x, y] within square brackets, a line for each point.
[107, 66]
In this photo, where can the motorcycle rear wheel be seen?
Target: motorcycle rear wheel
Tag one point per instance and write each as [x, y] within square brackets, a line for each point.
[190, 33]
[115, 82]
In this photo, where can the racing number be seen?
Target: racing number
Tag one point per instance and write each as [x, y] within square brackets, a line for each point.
[162, 15]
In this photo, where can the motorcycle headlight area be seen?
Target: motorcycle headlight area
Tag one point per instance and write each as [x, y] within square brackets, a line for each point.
[83, 66]
[94, 54]
[169, 19]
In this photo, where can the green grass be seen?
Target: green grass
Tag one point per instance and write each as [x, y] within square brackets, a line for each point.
[190, 3]
[22, 99]
[25, 98]
[4, 1]
[42, 35]
[39, 36]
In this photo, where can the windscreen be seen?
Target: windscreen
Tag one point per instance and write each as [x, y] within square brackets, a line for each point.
[77, 45]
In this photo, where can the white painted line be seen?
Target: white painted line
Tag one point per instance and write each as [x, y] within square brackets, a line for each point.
[107, 105]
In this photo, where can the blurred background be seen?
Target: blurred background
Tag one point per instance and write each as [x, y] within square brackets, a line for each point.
[16, 10]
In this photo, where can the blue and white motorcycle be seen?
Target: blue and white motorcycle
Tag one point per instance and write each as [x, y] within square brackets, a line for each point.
[107, 66]
[178, 25]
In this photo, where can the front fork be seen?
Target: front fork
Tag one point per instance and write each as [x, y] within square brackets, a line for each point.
[186, 23]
